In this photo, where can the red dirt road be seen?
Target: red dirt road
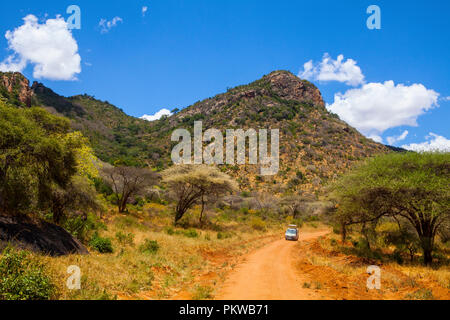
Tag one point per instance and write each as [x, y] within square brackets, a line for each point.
[269, 274]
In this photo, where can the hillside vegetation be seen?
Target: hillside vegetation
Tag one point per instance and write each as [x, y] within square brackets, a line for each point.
[315, 146]
[158, 231]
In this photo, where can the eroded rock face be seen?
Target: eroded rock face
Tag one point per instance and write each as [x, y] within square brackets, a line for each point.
[38, 236]
[16, 84]
[290, 87]
[282, 83]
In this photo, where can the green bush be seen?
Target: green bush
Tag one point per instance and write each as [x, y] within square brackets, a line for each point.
[23, 278]
[170, 231]
[102, 245]
[149, 246]
[202, 293]
[223, 235]
[125, 239]
[82, 228]
[245, 194]
[258, 224]
[191, 233]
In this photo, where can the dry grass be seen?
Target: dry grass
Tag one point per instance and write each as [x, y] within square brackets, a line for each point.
[344, 276]
[183, 257]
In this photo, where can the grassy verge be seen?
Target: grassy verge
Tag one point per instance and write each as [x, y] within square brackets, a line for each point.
[143, 256]
[334, 272]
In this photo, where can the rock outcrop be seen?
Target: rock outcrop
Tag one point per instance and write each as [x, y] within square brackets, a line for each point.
[16, 87]
[38, 236]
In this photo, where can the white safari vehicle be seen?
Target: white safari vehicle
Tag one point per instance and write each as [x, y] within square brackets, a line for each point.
[292, 233]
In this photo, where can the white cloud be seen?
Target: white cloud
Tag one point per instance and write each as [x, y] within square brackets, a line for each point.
[376, 138]
[333, 70]
[50, 47]
[144, 10]
[106, 25]
[392, 140]
[434, 143]
[157, 116]
[376, 107]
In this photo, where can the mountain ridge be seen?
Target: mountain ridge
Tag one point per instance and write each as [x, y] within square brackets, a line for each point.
[315, 145]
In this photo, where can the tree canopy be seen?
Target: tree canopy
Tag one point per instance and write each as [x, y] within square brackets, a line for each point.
[127, 182]
[193, 184]
[39, 158]
[412, 187]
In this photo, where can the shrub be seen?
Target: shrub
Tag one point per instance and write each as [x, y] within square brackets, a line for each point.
[149, 246]
[23, 278]
[125, 239]
[191, 233]
[223, 235]
[421, 294]
[202, 293]
[245, 194]
[102, 245]
[82, 228]
[258, 224]
[170, 231]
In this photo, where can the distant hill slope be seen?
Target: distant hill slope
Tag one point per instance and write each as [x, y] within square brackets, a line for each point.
[315, 145]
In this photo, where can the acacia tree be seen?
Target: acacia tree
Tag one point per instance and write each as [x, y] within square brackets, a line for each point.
[35, 158]
[127, 182]
[411, 187]
[196, 184]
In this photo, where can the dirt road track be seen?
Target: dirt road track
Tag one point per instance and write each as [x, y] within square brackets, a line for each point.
[269, 274]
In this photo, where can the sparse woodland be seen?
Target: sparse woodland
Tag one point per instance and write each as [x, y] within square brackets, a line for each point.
[106, 179]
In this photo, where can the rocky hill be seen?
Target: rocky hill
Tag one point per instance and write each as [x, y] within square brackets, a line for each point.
[315, 145]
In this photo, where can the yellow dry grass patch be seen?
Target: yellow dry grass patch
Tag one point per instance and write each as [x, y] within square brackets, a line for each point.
[130, 273]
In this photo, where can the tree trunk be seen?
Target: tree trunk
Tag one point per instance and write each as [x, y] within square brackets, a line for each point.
[427, 257]
[203, 209]
[122, 206]
[344, 232]
[179, 213]
[426, 237]
[365, 233]
[427, 248]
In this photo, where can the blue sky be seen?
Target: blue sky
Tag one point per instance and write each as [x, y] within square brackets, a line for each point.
[180, 52]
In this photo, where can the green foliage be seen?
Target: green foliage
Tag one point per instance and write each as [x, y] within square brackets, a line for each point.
[149, 246]
[411, 187]
[39, 161]
[223, 235]
[202, 293]
[33, 157]
[421, 294]
[23, 278]
[189, 185]
[102, 245]
[191, 233]
[125, 239]
[258, 224]
[170, 231]
[245, 210]
[81, 226]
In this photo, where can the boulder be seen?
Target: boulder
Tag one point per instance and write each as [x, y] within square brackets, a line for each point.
[38, 236]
